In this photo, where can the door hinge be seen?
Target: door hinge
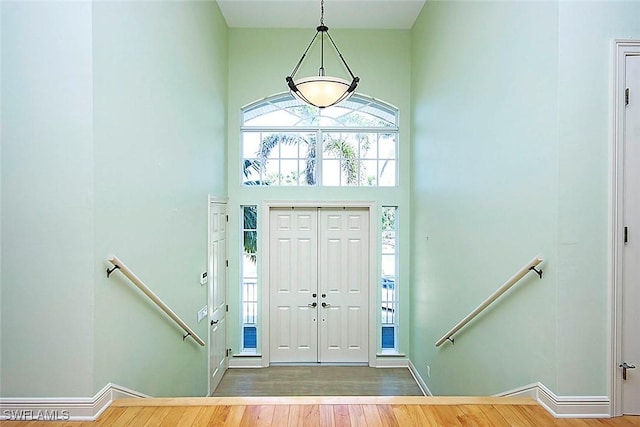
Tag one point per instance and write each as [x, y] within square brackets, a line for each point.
[227, 262]
[626, 96]
[226, 307]
[626, 234]
[228, 352]
[227, 218]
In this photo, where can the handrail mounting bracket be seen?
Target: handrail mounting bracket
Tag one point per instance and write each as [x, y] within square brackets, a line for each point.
[539, 272]
[111, 270]
[453, 341]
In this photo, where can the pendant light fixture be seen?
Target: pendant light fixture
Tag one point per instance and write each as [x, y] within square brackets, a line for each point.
[321, 90]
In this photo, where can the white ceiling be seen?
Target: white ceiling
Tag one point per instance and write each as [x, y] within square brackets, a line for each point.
[363, 14]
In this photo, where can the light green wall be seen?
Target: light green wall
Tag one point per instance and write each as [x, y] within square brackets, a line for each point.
[259, 61]
[47, 200]
[586, 34]
[114, 130]
[114, 125]
[510, 131]
[160, 123]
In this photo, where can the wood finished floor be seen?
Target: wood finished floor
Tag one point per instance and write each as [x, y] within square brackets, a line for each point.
[330, 412]
[335, 396]
[318, 381]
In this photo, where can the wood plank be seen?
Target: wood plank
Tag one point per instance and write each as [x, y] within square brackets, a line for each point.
[372, 416]
[206, 414]
[250, 417]
[281, 415]
[128, 416]
[220, 417]
[387, 416]
[512, 417]
[235, 415]
[401, 414]
[356, 415]
[535, 415]
[189, 415]
[327, 418]
[473, 415]
[172, 418]
[447, 415]
[294, 416]
[341, 415]
[158, 417]
[265, 416]
[311, 415]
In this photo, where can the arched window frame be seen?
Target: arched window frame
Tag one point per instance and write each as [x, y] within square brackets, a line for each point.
[359, 143]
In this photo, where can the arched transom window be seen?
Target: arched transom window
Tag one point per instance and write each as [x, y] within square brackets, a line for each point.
[286, 142]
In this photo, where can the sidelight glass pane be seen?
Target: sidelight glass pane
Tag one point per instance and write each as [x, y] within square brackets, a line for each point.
[389, 279]
[249, 283]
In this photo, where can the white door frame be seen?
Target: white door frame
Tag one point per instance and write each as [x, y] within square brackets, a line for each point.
[621, 49]
[264, 249]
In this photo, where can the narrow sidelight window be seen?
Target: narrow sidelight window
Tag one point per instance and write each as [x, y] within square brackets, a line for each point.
[249, 276]
[389, 278]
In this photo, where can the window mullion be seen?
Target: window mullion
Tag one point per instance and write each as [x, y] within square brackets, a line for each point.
[319, 156]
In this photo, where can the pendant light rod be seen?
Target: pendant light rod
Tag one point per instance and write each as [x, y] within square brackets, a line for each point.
[341, 57]
[295, 70]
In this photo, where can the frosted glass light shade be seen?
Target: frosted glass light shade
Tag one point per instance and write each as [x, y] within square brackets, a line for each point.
[323, 91]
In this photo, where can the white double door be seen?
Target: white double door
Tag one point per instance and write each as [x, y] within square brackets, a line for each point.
[319, 285]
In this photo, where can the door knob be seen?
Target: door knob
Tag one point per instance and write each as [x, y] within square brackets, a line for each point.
[313, 304]
[325, 305]
[624, 367]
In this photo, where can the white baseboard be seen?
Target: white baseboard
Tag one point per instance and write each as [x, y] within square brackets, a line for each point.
[558, 406]
[61, 408]
[395, 361]
[245, 362]
[90, 408]
[564, 406]
[421, 383]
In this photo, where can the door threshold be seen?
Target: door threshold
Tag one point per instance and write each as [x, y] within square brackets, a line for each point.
[275, 364]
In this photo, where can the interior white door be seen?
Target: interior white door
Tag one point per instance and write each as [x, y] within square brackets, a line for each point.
[293, 285]
[217, 298]
[344, 285]
[631, 255]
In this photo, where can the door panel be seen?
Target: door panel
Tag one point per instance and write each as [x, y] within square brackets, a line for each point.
[217, 302]
[293, 282]
[631, 253]
[343, 285]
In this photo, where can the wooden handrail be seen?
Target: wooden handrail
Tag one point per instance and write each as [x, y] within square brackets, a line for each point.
[148, 292]
[504, 288]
